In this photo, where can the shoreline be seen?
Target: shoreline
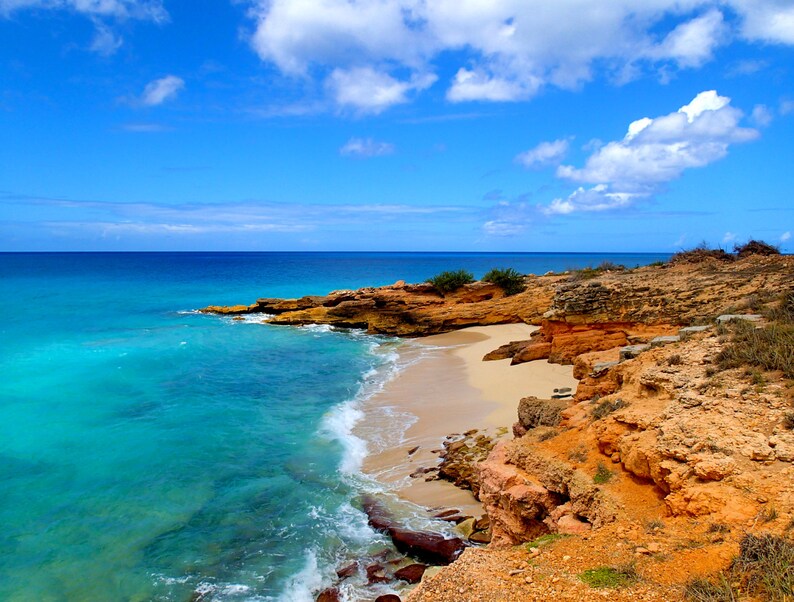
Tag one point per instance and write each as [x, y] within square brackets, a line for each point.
[447, 389]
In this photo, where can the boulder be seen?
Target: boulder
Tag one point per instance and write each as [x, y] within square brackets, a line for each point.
[329, 595]
[411, 573]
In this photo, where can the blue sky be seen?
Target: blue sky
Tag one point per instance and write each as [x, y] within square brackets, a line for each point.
[457, 125]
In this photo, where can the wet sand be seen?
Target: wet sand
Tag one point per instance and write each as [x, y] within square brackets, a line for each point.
[449, 389]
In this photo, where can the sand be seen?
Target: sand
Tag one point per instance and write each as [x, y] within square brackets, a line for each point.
[449, 389]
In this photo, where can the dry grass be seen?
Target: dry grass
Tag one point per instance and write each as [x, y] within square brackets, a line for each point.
[766, 566]
[769, 348]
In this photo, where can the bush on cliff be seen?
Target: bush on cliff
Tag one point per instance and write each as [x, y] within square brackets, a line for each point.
[755, 247]
[447, 282]
[509, 280]
[701, 253]
[770, 348]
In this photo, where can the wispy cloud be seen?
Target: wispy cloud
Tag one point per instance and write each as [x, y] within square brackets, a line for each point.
[544, 154]
[160, 90]
[366, 147]
[146, 128]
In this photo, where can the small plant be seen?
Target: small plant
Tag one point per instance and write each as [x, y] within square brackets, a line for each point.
[703, 590]
[608, 266]
[447, 282]
[606, 407]
[720, 528]
[578, 453]
[675, 360]
[602, 475]
[767, 515]
[655, 524]
[755, 247]
[509, 280]
[766, 565]
[545, 540]
[788, 420]
[610, 576]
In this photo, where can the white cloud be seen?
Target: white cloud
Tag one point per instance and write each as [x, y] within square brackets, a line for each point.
[785, 236]
[510, 49]
[692, 43]
[653, 151]
[761, 115]
[160, 90]
[544, 154]
[370, 91]
[106, 42]
[728, 238]
[366, 147]
[769, 21]
[786, 107]
[656, 151]
[478, 85]
[597, 198]
[502, 228]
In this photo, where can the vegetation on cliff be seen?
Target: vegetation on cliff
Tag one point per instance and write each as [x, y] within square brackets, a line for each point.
[509, 280]
[447, 282]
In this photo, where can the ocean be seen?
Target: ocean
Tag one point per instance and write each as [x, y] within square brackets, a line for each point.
[149, 452]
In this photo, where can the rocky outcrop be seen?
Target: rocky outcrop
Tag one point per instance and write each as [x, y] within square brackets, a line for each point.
[427, 546]
[527, 494]
[408, 309]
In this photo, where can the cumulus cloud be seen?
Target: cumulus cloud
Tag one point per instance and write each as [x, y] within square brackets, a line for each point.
[366, 147]
[544, 154]
[106, 42]
[785, 236]
[507, 50]
[160, 90]
[654, 151]
[368, 90]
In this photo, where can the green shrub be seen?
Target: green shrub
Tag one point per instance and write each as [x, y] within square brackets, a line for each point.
[508, 279]
[603, 474]
[610, 576]
[447, 282]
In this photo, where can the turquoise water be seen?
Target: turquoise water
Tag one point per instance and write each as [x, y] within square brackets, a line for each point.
[148, 452]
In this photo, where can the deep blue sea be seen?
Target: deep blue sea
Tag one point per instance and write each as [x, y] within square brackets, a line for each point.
[148, 452]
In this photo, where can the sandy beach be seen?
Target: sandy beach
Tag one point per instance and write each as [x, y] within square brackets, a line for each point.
[449, 389]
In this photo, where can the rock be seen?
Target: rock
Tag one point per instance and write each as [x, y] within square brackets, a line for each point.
[388, 598]
[376, 574]
[659, 341]
[413, 450]
[347, 571]
[505, 351]
[632, 351]
[466, 527]
[725, 318]
[534, 351]
[447, 513]
[482, 537]
[329, 595]
[688, 330]
[482, 523]
[571, 525]
[601, 367]
[432, 548]
[534, 412]
[411, 573]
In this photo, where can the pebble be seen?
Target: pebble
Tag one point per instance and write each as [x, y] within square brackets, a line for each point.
[566, 558]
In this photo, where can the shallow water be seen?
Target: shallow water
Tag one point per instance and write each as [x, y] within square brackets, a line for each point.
[148, 452]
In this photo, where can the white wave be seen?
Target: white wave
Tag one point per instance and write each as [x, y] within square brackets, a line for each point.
[302, 587]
